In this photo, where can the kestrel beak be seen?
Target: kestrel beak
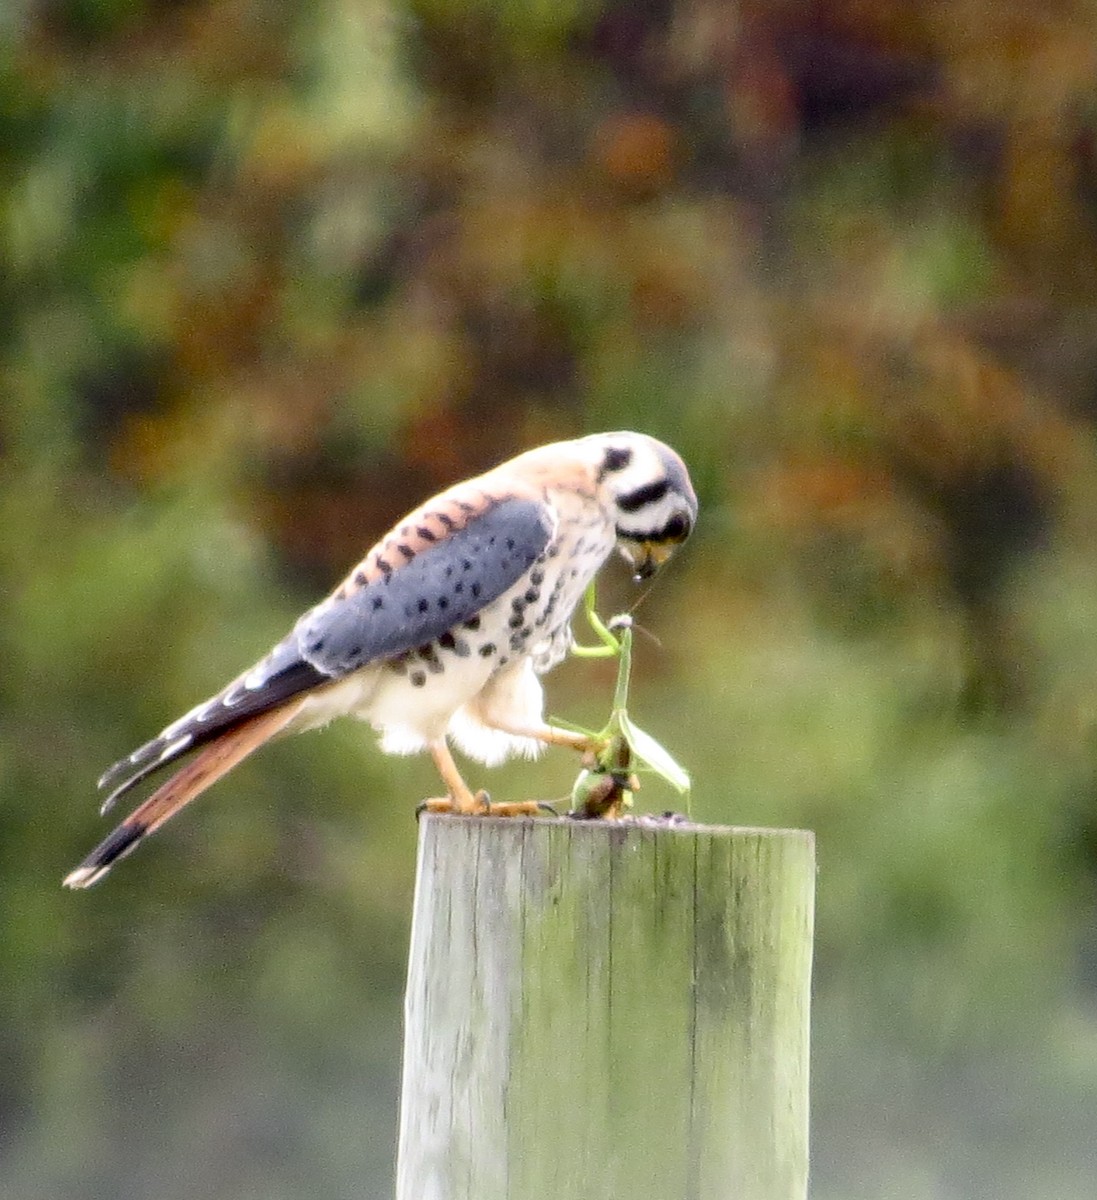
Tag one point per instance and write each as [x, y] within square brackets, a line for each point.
[649, 557]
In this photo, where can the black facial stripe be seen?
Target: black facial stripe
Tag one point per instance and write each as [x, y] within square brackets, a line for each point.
[650, 493]
[616, 459]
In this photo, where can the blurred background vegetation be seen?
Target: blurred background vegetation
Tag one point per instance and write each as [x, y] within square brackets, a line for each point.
[271, 272]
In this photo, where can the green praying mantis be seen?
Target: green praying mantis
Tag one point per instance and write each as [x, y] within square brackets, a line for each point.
[606, 784]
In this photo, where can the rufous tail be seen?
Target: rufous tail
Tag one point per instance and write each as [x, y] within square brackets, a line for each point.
[190, 781]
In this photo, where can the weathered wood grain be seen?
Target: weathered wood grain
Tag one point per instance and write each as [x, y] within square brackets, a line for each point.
[607, 1010]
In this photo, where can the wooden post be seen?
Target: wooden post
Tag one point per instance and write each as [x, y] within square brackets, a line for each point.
[607, 1010]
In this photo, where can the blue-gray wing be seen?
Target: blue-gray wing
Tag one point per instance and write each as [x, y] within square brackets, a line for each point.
[441, 586]
[437, 586]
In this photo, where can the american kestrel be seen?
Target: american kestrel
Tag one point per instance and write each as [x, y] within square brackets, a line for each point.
[440, 632]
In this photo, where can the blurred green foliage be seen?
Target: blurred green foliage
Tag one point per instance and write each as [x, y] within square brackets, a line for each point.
[271, 273]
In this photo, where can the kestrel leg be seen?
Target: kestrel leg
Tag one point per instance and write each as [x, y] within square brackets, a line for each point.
[462, 800]
[551, 735]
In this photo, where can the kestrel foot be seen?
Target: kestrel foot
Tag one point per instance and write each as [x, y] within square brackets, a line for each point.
[523, 808]
[483, 807]
[462, 804]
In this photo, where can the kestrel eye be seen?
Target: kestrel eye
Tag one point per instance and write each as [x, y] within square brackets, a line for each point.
[677, 528]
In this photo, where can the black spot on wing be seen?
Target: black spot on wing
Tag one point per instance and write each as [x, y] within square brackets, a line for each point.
[424, 597]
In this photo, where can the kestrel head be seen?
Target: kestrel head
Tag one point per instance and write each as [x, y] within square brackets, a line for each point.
[648, 489]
